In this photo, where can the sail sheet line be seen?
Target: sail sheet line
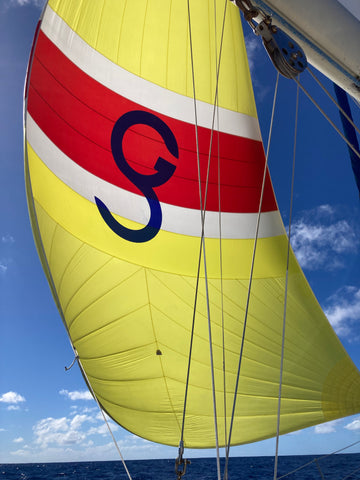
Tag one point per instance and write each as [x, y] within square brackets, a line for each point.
[286, 285]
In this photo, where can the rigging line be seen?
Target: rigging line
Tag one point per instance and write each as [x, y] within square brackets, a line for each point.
[320, 471]
[251, 273]
[202, 230]
[317, 459]
[328, 119]
[351, 473]
[215, 110]
[286, 286]
[202, 249]
[104, 417]
[190, 348]
[335, 102]
[220, 227]
[202, 206]
[220, 233]
[215, 117]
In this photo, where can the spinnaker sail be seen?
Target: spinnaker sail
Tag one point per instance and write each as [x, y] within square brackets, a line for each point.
[141, 137]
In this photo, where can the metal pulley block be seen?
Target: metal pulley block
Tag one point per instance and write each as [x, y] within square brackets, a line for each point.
[286, 55]
[248, 10]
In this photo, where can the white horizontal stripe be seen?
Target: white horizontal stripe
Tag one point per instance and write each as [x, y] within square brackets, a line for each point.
[134, 207]
[137, 89]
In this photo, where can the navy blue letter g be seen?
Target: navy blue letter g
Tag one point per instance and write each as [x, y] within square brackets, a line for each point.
[145, 183]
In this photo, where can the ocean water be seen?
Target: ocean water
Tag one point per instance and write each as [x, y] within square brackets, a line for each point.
[335, 467]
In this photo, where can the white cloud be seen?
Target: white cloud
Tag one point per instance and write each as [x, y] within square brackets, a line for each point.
[354, 425]
[103, 429]
[18, 440]
[93, 452]
[24, 3]
[80, 437]
[77, 395]
[5, 5]
[253, 46]
[99, 416]
[343, 311]
[13, 407]
[9, 239]
[75, 409]
[60, 431]
[328, 427]
[78, 420]
[12, 397]
[321, 240]
[3, 266]
[255, 54]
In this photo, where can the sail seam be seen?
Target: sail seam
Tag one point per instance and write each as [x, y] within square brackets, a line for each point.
[104, 294]
[75, 292]
[66, 269]
[110, 324]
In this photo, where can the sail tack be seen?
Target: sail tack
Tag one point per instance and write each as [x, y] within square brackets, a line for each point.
[122, 166]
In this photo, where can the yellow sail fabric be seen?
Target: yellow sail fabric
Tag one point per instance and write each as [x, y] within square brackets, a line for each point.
[110, 90]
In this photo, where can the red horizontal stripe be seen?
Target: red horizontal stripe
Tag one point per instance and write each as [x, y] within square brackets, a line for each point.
[78, 114]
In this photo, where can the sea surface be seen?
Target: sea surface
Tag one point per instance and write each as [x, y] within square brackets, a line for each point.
[335, 467]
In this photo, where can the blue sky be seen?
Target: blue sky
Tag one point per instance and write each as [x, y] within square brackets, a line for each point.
[46, 414]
